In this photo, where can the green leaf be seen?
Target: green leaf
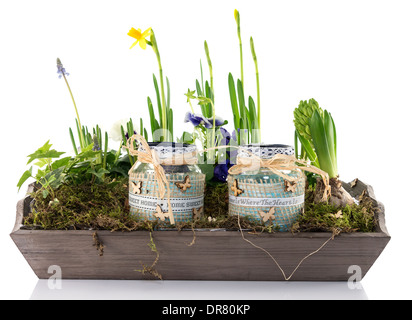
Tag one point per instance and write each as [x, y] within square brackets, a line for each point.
[40, 174]
[45, 193]
[170, 121]
[123, 135]
[55, 178]
[186, 137]
[320, 141]
[233, 101]
[99, 174]
[44, 152]
[242, 106]
[208, 170]
[201, 78]
[297, 156]
[168, 94]
[330, 136]
[308, 148]
[254, 125]
[106, 145]
[152, 116]
[159, 105]
[73, 141]
[87, 153]
[26, 175]
[199, 89]
[209, 95]
[60, 163]
[46, 147]
[42, 162]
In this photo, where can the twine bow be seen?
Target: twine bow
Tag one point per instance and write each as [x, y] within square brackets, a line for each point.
[150, 156]
[277, 164]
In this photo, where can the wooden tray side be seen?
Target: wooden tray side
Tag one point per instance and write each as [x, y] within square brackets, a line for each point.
[215, 255]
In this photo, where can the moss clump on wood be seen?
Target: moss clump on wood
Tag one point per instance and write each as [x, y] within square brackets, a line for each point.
[84, 206]
[105, 207]
[327, 217]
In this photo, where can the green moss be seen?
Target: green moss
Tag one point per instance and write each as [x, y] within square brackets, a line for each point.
[84, 206]
[105, 207]
[216, 201]
[326, 217]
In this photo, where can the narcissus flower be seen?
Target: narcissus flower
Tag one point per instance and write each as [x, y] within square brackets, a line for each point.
[139, 36]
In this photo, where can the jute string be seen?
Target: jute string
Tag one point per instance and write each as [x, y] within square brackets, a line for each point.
[276, 164]
[274, 260]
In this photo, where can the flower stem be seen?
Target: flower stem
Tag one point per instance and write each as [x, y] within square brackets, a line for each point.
[164, 111]
[211, 155]
[209, 61]
[82, 144]
[240, 48]
[252, 47]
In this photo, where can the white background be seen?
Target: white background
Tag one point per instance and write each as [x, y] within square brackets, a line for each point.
[353, 57]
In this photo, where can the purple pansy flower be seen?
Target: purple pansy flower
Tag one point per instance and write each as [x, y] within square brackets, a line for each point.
[226, 137]
[197, 120]
[221, 171]
[218, 121]
[127, 134]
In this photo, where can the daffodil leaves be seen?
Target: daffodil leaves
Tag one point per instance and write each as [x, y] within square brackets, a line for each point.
[245, 117]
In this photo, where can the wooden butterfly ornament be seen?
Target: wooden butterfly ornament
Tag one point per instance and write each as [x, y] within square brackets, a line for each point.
[290, 186]
[235, 188]
[160, 214]
[197, 213]
[183, 186]
[268, 215]
[137, 187]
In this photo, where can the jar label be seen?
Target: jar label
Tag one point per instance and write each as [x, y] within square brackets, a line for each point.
[267, 202]
[186, 204]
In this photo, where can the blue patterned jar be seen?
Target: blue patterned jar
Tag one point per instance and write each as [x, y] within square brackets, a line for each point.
[263, 196]
[185, 182]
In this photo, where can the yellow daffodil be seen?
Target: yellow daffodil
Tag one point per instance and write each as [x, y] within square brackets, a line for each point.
[139, 36]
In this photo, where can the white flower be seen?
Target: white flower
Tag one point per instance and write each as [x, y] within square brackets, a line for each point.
[115, 132]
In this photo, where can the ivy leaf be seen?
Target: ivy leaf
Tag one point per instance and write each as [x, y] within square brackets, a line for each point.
[26, 175]
[44, 152]
[60, 163]
[42, 162]
[100, 173]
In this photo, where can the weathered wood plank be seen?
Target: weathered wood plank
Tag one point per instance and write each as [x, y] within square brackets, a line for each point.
[215, 255]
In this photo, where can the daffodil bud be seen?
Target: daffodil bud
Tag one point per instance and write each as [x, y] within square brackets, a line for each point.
[209, 61]
[252, 48]
[237, 17]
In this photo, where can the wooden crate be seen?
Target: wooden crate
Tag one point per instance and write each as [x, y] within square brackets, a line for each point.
[215, 255]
